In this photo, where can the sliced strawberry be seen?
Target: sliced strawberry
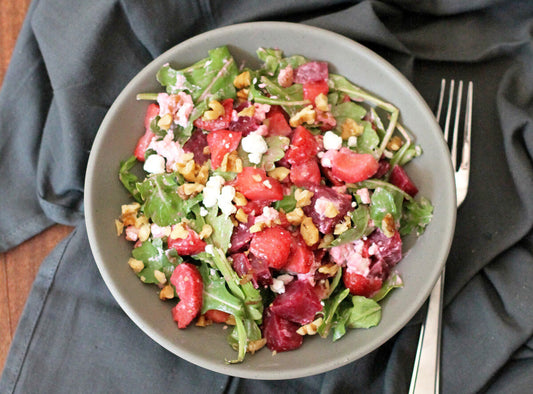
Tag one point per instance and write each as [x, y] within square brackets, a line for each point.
[361, 285]
[142, 144]
[217, 316]
[301, 257]
[349, 166]
[221, 142]
[222, 122]
[272, 245]
[189, 286]
[189, 246]
[303, 146]
[399, 177]
[306, 173]
[256, 185]
[313, 89]
[277, 122]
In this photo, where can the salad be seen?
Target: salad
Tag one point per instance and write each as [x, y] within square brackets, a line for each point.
[271, 200]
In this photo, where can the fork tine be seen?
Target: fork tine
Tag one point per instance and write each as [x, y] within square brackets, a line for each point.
[456, 124]
[465, 159]
[449, 112]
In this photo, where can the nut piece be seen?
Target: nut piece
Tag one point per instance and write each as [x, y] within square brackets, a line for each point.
[321, 102]
[206, 232]
[166, 293]
[144, 232]
[217, 110]
[295, 216]
[343, 226]
[129, 213]
[306, 115]
[388, 226]
[309, 231]
[326, 240]
[165, 122]
[310, 328]
[160, 276]
[242, 95]
[303, 197]
[254, 346]
[231, 162]
[136, 265]
[279, 173]
[329, 269]
[241, 216]
[239, 199]
[119, 226]
[179, 231]
[243, 80]
[395, 143]
[331, 210]
[351, 128]
[248, 111]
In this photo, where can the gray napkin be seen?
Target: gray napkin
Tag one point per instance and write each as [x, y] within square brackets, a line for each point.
[73, 58]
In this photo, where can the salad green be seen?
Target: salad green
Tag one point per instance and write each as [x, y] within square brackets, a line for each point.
[273, 199]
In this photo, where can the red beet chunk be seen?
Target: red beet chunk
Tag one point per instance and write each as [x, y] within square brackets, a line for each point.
[241, 236]
[342, 201]
[280, 333]
[387, 253]
[257, 270]
[384, 167]
[399, 177]
[244, 124]
[196, 144]
[311, 72]
[299, 303]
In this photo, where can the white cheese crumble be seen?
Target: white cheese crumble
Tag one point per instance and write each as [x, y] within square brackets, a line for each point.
[212, 190]
[332, 141]
[352, 141]
[154, 164]
[224, 200]
[255, 145]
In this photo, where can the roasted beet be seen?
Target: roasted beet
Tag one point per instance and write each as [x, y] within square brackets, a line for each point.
[280, 333]
[241, 236]
[299, 304]
[244, 124]
[323, 196]
[387, 252]
[399, 177]
[254, 268]
[196, 144]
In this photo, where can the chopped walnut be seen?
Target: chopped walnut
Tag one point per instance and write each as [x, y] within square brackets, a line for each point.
[350, 128]
[306, 115]
[303, 197]
[309, 231]
[310, 328]
[243, 80]
[217, 110]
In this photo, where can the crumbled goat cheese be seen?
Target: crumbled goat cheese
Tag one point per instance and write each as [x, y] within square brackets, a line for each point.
[255, 145]
[154, 164]
[332, 141]
[212, 190]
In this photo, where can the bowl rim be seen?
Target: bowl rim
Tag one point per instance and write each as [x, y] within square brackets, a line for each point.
[215, 365]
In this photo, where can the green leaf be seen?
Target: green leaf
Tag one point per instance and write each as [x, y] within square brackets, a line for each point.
[416, 216]
[162, 203]
[394, 281]
[209, 78]
[153, 255]
[222, 229]
[365, 313]
[360, 217]
[216, 295]
[291, 98]
[347, 110]
[288, 203]
[129, 180]
[329, 311]
[383, 202]
[367, 142]
[277, 145]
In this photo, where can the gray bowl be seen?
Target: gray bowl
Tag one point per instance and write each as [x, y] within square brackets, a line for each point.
[207, 347]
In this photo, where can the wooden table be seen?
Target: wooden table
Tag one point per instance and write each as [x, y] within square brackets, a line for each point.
[18, 266]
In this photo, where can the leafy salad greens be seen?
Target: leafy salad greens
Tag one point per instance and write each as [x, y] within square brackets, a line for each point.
[273, 200]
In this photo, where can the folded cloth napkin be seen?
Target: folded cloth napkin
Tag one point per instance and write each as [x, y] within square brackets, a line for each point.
[73, 58]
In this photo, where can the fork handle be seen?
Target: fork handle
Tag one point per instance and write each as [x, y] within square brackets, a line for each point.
[426, 371]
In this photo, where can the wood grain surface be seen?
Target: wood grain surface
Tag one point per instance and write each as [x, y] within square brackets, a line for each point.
[18, 266]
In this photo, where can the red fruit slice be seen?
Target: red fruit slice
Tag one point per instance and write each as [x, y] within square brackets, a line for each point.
[189, 286]
[299, 303]
[280, 334]
[361, 285]
[349, 166]
[272, 245]
[217, 316]
[189, 246]
[306, 173]
[313, 89]
[256, 185]
[142, 144]
[303, 146]
[399, 177]
[221, 142]
[301, 258]
[277, 122]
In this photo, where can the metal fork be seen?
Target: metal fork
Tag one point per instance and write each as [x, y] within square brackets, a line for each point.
[426, 370]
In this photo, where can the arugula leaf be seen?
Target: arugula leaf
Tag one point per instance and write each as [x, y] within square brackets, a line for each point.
[365, 313]
[360, 217]
[393, 281]
[162, 203]
[128, 179]
[291, 98]
[223, 228]
[288, 203]
[347, 110]
[153, 255]
[208, 78]
[277, 145]
[383, 202]
[416, 216]
[377, 183]
[367, 142]
[331, 305]
[216, 295]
